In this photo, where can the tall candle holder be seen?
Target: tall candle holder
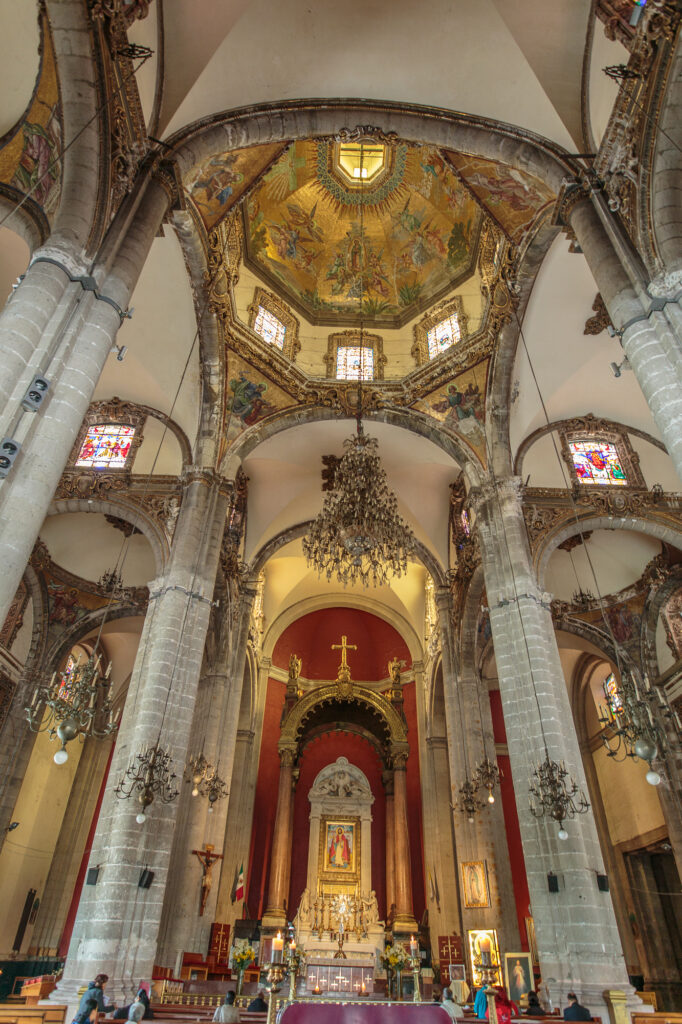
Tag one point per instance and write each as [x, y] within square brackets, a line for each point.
[275, 975]
[488, 972]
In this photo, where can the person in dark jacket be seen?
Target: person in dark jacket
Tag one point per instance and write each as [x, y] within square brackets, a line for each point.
[257, 1005]
[88, 1013]
[123, 1011]
[574, 1011]
[95, 991]
[534, 1008]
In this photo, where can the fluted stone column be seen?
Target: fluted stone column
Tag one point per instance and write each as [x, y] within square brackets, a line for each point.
[390, 842]
[485, 837]
[578, 942]
[117, 925]
[214, 732]
[652, 338]
[74, 366]
[404, 916]
[280, 861]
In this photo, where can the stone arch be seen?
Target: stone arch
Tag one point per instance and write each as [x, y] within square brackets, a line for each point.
[666, 177]
[119, 507]
[428, 560]
[311, 604]
[651, 525]
[329, 694]
[653, 606]
[411, 420]
[80, 629]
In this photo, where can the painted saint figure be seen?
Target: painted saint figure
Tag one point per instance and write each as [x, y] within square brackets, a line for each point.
[339, 849]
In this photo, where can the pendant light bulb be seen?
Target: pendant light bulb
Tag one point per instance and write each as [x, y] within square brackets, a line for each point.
[141, 818]
[563, 834]
[652, 777]
[61, 756]
[491, 798]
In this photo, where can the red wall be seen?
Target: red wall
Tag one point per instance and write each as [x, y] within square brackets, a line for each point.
[511, 820]
[311, 638]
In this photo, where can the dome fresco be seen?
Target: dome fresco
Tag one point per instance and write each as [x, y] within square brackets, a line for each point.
[401, 240]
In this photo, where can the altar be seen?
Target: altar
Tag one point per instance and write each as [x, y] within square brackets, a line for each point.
[343, 977]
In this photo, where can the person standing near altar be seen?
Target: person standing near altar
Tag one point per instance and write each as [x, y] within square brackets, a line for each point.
[453, 1009]
[227, 1013]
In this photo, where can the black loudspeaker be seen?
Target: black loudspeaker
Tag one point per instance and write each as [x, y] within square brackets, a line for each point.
[603, 883]
[146, 878]
[92, 876]
[553, 882]
[35, 396]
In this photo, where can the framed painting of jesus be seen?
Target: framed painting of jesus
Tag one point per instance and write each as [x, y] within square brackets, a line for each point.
[340, 848]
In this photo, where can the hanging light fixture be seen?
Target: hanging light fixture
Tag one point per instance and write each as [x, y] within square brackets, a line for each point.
[468, 802]
[554, 793]
[630, 728]
[359, 536]
[205, 780]
[149, 775]
[111, 581]
[487, 776]
[79, 704]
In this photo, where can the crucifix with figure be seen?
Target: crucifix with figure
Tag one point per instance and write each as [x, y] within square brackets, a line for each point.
[343, 678]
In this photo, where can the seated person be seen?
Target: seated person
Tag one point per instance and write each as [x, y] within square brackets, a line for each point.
[481, 1004]
[450, 1006]
[257, 1005]
[534, 1009]
[227, 1013]
[574, 1011]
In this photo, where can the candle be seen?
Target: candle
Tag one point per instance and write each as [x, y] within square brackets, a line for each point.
[414, 945]
[277, 947]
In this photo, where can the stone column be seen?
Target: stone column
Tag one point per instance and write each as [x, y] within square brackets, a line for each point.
[117, 925]
[390, 842]
[214, 731]
[73, 368]
[404, 918]
[578, 942]
[485, 837]
[652, 338]
[280, 859]
[73, 836]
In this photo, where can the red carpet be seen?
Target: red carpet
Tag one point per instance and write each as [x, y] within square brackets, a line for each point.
[358, 1013]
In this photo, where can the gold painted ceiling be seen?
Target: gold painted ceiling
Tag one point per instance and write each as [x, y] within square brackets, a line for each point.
[400, 241]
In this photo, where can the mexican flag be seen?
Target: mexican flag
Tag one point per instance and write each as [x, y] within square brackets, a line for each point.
[239, 884]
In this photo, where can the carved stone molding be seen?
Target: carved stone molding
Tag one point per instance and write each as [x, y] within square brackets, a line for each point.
[601, 319]
[14, 619]
[368, 132]
[7, 688]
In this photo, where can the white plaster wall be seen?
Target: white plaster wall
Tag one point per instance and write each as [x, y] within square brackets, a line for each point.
[84, 543]
[618, 558]
[602, 89]
[632, 806]
[159, 451]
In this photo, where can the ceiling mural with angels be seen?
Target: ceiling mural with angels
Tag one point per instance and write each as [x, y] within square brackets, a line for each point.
[333, 225]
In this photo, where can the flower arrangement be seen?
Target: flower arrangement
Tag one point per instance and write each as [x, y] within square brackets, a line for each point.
[395, 957]
[243, 955]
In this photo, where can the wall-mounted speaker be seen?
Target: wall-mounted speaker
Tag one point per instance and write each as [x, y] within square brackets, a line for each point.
[553, 882]
[92, 876]
[603, 883]
[146, 878]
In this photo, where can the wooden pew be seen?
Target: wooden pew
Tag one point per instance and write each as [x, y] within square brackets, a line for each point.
[11, 1013]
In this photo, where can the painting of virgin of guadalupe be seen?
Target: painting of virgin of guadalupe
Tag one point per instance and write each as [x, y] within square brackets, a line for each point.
[475, 884]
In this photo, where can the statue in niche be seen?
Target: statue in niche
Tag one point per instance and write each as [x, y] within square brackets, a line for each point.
[370, 909]
[394, 667]
[304, 916]
[341, 784]
[295, 666]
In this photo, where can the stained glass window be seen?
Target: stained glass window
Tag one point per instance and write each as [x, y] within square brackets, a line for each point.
[355, 362]
[67, 676]
[269, 327]
[597, 462]
[443, 335]
[106, 446]
[612, 694]
[465, 522]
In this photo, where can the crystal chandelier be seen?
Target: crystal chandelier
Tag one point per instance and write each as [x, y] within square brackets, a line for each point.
[205, 780]
[78, 704]
[555, 794]
[630, 728]
[359, 536]
[149, 774]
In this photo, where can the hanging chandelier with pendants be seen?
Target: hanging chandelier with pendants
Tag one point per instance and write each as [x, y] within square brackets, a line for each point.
[359, 536]
[553, 793]
[203, 776]
[76, 702]
[151, 777]
[630, 726]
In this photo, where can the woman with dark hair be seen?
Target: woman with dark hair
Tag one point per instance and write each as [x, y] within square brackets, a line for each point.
[95, 991]
[504, 1006]
[534, 1008]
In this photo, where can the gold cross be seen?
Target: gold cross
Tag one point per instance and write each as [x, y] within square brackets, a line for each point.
[344, 646]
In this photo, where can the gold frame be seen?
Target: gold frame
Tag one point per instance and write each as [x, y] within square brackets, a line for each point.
[469, 902]
[330, 874]
[532, 942]
[351, 337]
[529, 963]
[420, 348]
[278, 308]
[491, 933]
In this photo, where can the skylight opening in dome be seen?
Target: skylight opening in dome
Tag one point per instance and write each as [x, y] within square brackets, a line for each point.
[443, 336]
[354, 362]
[361, 161]
[269, 327]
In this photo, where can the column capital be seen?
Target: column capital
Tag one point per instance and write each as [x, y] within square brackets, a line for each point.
[507, 491]
[287, 755]
[574, 193]
[399, 755]
[666, 285]
[208, 476]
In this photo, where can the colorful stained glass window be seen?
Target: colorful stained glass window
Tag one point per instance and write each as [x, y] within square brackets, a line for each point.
[106, 446]
[597, 462]
[443, 335]
[465, 522]
[67, 676]
[612, 694]
[269, 327]
[355, 362]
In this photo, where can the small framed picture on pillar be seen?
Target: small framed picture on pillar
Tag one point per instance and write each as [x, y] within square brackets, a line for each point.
[475, 886]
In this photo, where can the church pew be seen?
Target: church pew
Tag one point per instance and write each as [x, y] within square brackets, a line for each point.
[10, 1013]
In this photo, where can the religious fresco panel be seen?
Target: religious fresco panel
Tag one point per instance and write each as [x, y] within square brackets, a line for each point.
[393, 246]
[512, 197]
[220, 182]
[29, 158]
[251, 397]
[460, 406]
